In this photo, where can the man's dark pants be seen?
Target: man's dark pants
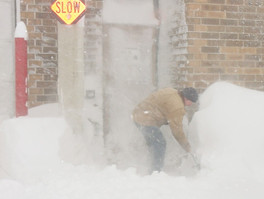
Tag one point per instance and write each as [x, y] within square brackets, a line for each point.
[156, 144]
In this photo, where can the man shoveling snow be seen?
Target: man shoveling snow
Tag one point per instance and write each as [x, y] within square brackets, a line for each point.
[163, 107]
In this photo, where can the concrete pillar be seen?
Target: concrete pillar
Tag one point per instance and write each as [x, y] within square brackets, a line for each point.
[7, 77]
[71, 73]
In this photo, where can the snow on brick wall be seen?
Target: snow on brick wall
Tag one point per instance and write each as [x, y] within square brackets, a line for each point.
[173, 42]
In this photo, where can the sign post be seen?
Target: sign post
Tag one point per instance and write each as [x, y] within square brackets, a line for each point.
[70, 59]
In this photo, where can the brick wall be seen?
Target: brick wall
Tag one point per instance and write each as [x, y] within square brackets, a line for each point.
[225, 42]
[42, 51]
[210, 40]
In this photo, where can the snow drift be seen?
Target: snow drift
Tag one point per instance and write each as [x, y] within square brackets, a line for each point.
[30, 146]
[228, 131]
[230, 127]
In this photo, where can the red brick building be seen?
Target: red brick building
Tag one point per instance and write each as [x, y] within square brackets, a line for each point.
[209, 41]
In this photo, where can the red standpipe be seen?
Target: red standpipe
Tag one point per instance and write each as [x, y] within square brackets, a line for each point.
[21, 77]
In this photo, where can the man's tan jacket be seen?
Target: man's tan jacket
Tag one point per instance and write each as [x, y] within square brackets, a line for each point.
[163, 107]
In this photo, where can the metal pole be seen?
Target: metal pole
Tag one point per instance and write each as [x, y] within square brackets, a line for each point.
[21, 69]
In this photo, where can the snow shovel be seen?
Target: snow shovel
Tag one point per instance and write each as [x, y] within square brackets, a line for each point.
[195, 160]
[192, 157]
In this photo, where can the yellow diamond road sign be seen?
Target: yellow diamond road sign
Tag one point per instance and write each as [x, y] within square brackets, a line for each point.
[68, 11]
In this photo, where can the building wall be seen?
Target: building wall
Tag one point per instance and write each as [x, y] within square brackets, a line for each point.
[209, 40]
[42, 51]
[7, 62]
[43, 47]
[93, 35]
[225, 42]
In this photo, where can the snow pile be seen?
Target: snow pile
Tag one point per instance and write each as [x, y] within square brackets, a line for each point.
[230, 130]
[230, 126]
[30, 146]
[33, 146]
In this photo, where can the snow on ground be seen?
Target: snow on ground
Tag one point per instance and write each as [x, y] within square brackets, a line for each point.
[36, 155]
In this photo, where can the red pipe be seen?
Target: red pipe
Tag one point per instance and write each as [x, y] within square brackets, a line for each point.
[21, 77]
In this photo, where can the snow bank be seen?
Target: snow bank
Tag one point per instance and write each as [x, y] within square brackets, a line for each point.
[230, 127]
[230, 130]
[30, 146]
[33, 146]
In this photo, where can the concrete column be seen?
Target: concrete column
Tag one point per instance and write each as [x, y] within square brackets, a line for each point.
[71, 73]
[7, 57]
